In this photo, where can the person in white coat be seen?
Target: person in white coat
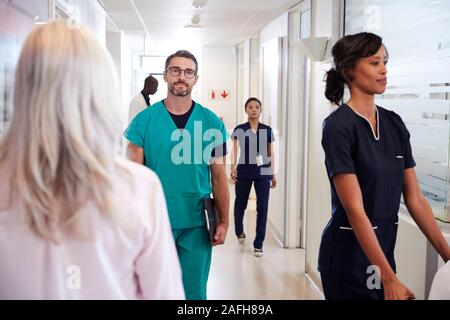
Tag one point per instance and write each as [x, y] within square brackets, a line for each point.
[142, 100]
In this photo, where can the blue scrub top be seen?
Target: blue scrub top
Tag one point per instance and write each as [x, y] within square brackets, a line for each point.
[251, 145]
[351, 146]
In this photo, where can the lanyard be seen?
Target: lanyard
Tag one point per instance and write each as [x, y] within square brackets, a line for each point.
[257, 137]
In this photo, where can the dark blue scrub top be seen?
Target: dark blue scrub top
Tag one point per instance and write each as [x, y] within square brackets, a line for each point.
[252, 144]
[350, 146]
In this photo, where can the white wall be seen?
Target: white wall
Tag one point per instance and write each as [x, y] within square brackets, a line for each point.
[277, 28]
[113, 45]
[318, 195]
[118, 49]
[91, 15]
[276, 216]
[218, 72]
[297, 130]
[126, 74]
[243, 79]
[255, 66]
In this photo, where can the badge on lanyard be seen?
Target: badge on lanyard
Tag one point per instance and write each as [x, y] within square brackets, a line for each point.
[259, 160]
[259, 157]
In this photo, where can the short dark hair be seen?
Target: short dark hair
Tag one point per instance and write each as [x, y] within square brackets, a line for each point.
[151, 84]
[250, 100]
[346, 52]
[182, 54]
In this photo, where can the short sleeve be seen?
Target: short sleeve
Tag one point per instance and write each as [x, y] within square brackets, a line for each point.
[407, 156]
[405, 140]
[223, 131]
[219, 151]
[337, 144]
[271, 137]
[136, 130]
[234, 135]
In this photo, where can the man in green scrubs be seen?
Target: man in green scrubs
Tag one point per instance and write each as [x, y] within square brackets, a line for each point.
[184, 143]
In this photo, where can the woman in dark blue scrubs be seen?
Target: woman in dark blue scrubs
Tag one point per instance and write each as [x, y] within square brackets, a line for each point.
[369, 164]
[254, 139]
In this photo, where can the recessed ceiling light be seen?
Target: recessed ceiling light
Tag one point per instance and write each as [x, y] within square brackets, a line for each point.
[195, 19]
[195, 22]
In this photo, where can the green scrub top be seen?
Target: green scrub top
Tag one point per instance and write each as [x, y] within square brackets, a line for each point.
[180, 158]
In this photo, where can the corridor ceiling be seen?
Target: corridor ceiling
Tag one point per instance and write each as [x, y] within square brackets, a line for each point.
[223, 22]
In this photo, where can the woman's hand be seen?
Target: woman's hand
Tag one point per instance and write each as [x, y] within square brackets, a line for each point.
[233, 174]
[273, 183]
[395, 290]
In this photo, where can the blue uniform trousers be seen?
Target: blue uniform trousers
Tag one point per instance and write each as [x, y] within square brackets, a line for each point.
[262, 188]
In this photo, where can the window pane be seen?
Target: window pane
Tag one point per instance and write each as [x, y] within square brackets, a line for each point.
[418, 42]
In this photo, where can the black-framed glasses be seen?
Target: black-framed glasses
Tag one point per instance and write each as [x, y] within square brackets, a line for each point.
[176, 71]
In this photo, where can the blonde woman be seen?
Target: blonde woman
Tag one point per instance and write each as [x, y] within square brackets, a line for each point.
[77, 221]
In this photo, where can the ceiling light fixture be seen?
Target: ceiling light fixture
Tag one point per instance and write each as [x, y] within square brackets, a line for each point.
[199, 4]
[195, 19]
[195, 22]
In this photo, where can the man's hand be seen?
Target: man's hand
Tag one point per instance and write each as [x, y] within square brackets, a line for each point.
[221, 198]
[221, 233]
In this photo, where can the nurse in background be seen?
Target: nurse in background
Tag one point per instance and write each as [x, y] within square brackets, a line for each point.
[369, 164]
[254, 139]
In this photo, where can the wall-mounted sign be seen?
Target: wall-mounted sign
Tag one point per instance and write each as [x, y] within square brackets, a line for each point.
[216, 94]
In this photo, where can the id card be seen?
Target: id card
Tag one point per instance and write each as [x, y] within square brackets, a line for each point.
[259, 160]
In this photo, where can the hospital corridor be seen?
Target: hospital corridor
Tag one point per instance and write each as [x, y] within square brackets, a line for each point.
[220, 150]
[236, 274]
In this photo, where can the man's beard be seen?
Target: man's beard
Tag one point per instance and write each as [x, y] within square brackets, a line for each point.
[180, 92]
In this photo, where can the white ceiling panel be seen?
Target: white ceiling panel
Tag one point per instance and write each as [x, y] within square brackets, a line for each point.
[223, 22]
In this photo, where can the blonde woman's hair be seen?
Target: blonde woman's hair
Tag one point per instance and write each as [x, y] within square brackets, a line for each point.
[60, 149]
